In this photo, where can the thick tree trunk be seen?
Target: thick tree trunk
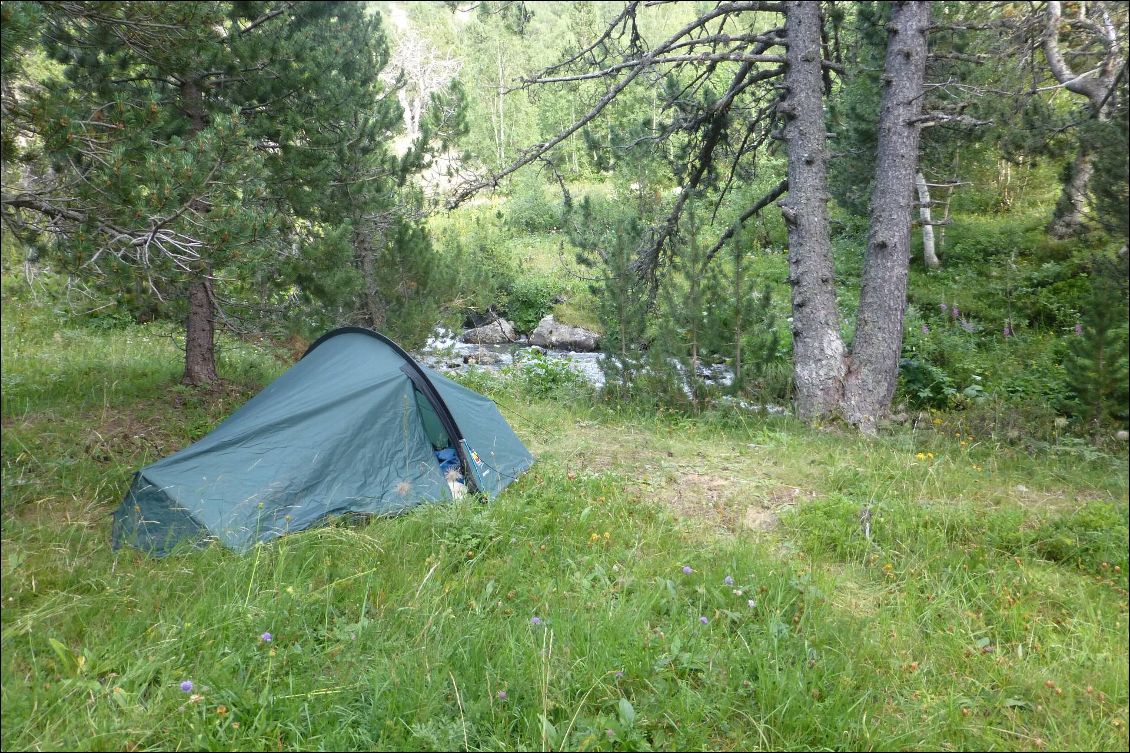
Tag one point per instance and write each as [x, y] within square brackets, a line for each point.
[873, 372]
[929, 256]
[818, 350]
[199, 341]
[1068, 217]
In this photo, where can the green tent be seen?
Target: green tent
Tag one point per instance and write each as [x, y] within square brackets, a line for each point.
[356, 426]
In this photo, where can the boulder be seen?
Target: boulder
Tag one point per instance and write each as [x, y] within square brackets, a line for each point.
[551, 334]
[497, 332]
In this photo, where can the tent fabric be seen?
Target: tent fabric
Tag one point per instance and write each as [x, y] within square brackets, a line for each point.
[342, 431]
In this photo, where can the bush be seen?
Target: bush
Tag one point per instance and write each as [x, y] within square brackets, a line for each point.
[528, 299]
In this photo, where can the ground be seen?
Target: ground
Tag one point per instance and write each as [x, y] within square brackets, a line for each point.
[697, 582]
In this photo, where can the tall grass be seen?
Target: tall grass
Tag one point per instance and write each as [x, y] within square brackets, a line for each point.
[986, 610]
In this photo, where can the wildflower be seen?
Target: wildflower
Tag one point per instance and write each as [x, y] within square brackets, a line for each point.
[194, 698]
[222, 710]
[703, 620]
[752, 603]
[920, 455]
[728, 580]
[738, 592]
[1007, 330]
[235, 725]
[607, 535]
[955, 312]
[942, 307]
[967, 325]
[937, 422]
[1078, 328]
[925, 329]
[594, 537]
[265, 637]
[620, 675]
[687, 569]
[502, 696]
[930, 455]
[535, 621]
[186, 686]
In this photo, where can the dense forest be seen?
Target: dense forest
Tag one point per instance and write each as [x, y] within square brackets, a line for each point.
[850, 281]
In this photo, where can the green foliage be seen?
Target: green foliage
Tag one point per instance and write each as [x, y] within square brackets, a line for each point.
[1099, 356]
[529, 298]
[541, 375]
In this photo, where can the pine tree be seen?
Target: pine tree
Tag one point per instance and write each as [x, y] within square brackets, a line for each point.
[1099, 358]
[684, 337]
[742, 315]
[204, 150]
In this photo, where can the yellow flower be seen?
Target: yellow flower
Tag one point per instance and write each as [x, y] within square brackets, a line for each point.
[594, 537]
[921, 456]
[937, 422]
[222, 710]
[964, 443]
[930, 455]
[607, 535]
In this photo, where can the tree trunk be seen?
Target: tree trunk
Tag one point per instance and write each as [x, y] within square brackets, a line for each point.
[818, 350]
[374, 304]
[929, 256]
[873, 372]
[1068, 217]
[200, 325]
[199, 340]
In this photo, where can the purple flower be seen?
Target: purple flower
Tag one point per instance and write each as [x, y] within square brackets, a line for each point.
[186, 686]
[703, 620]
[728, 580]
[687, 569]
[265, 637]
[942, 307]
[1079, 328]
[1007, 330]
[955, 312]
[619, 675]
[535, 620]
[502, 695]
[925, 329]
[967, 325]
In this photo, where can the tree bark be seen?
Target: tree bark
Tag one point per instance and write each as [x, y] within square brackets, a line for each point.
[1067, 220]
[818, 350]
[929, 256]
[873, 371]
[374, 304]
[200, 327]
[199, 341]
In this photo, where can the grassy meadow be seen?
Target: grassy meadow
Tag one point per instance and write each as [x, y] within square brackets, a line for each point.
[655, 582]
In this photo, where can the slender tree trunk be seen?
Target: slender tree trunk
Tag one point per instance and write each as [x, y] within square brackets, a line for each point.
[1068, 217]
[200, 326]
[501, 111]
[928, 254]
[200, 332]
[873, 373]
[818, 350]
